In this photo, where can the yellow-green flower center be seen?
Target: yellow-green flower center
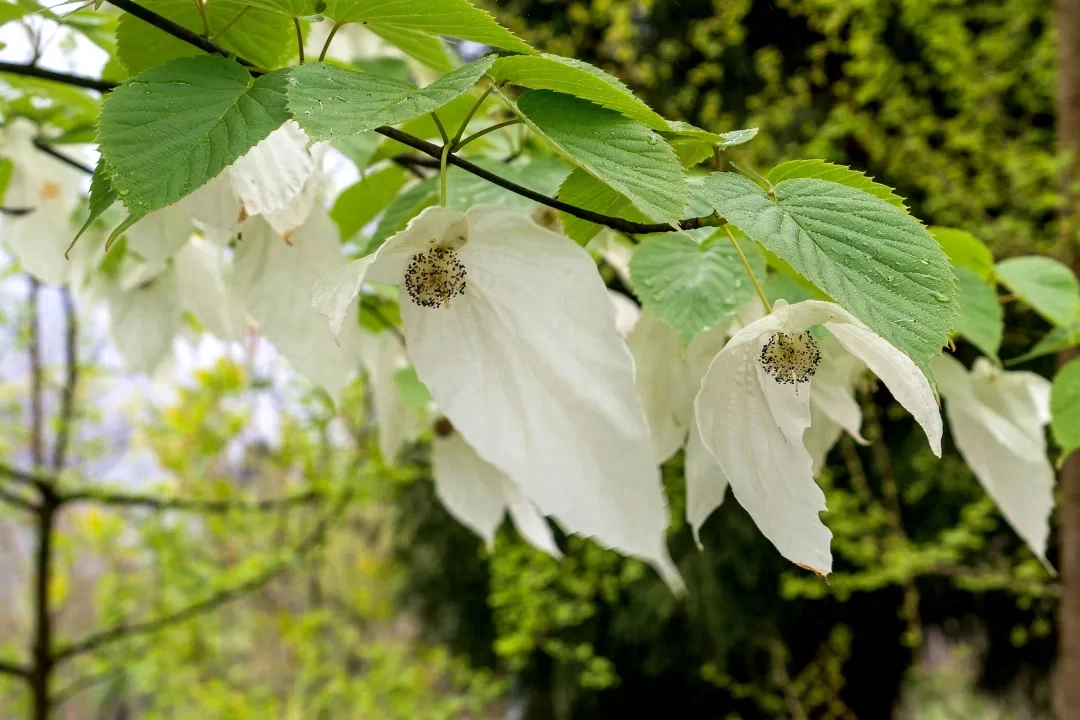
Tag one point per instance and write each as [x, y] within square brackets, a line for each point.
[791, 358]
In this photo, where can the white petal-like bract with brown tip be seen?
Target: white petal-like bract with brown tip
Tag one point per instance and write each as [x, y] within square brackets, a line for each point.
[522, 354]
[997, 419]
[754, 408]
[479, 494]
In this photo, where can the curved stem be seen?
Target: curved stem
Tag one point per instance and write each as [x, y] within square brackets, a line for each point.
[229, 24]
[326, 45]
[442, 174]
[749, 271]
[299, 38]
[469, 116]
[202, 14]
[442, 130]
[477, 135]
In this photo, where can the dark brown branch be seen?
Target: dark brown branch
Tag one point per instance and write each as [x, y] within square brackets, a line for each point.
[49, 150]
[177, 31]
[40, 675]
[430, 149]
[188, 505]
[71, 382]
[101, 86]
[122, 632]
[616, 223]
[10, 669]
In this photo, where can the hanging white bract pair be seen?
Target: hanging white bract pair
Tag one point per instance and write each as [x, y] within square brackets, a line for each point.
[511, 329]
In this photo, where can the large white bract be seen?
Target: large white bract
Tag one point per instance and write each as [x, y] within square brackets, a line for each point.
[753, 419]
[997, 419]
[521, 353]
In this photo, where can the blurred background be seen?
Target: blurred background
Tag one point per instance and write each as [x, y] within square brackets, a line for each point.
[360, 597]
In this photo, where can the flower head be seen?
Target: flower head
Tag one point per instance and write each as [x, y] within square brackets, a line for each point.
[511, 328]
[753, 410]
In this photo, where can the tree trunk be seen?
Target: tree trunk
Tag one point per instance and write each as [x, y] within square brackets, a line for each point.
[1067, 25]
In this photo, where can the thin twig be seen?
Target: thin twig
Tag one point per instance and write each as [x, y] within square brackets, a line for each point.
[101, 86]
[616, 223]
[121, 632]
[71, 382]
[188, 504]
[749, 270]
[11, 669]
[16, 501]
[49, 150]
[469, 116]
[26, 478]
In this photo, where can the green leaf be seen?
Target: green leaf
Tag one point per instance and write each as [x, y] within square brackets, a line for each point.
[358, 204]
[619, 152]
[981, 320]
[872, 257]
[429, 50]
[263, 37]
[413, 391]
[7, 167]
[404, 208]
[174, 127]
[692, 286]
[1058, 339]
[782, 269]
[11, 11]
[359, 148]
[822, 170]
[693, 145]
[1065, 407]
[583, 190]
[102, 197]
[1045, 284]
[452, 18]
[577, 78]
[291, 8]
[965, 250]
[330, 102]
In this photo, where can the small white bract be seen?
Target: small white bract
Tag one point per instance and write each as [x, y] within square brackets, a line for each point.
[997, 419]
[48, 190]
[513, 332]
[754, 425]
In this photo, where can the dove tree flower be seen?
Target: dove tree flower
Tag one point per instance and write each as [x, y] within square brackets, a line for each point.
[512, 330]
[753, 410]
[998, 421]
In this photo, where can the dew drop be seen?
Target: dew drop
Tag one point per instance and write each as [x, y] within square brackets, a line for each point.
[653, 139]
[940, 297]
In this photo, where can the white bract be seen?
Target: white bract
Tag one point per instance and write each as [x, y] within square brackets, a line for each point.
[511, 328]
[383, 355]
[997, 419]
[271, 281]
[754, 408]
[48, 190]
[479, 494]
